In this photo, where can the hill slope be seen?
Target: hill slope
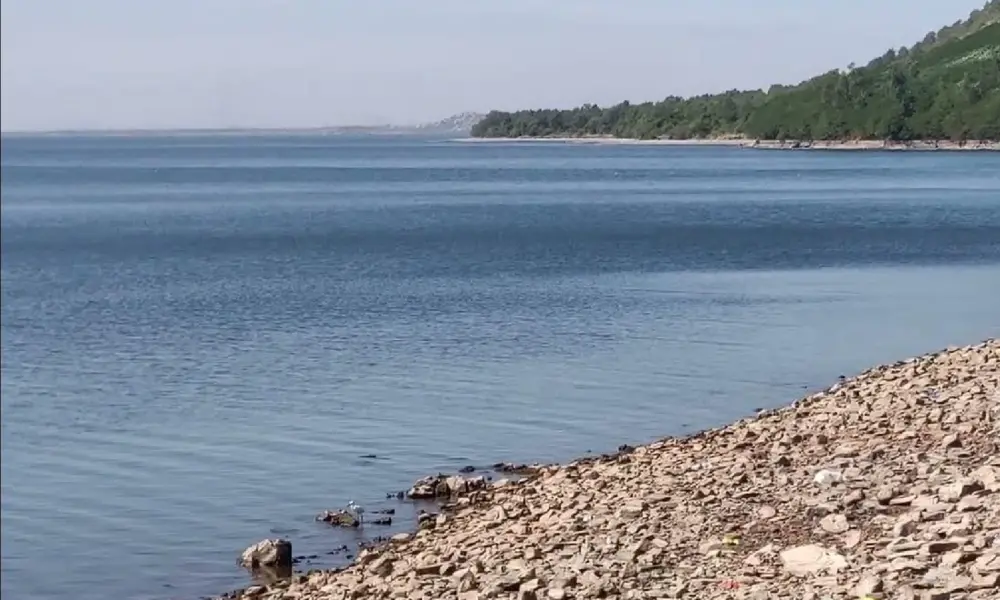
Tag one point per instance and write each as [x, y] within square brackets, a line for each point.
[459, 124]
[945, 87]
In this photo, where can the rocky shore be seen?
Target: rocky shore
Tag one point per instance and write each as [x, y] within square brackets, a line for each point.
[740, 142]
[915, 145]
[885, 486]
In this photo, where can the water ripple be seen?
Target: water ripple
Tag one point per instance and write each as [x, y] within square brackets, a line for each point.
[202, 338]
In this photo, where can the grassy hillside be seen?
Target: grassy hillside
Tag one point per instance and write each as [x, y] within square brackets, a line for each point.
[945, 87]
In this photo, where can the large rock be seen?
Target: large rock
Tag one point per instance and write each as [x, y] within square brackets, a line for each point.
[338, 518]
[276, 553]
[444, 486]
[811, 559]
[424, 489]
[957, 490]
[835, 523]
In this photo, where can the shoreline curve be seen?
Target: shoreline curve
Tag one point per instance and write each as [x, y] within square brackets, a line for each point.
[885, 485]
[751, 144]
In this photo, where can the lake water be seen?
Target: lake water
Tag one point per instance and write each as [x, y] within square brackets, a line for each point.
[202, 336]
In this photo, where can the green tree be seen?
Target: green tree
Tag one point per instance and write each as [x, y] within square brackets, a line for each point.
[947, 85]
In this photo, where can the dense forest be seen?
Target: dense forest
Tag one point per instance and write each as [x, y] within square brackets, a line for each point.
[947, 86]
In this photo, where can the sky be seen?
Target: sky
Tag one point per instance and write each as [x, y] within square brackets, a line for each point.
[167, 64]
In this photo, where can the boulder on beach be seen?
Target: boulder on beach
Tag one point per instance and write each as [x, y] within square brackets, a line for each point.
[272, 553]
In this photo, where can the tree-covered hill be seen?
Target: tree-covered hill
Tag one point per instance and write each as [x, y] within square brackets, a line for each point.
[945, 87]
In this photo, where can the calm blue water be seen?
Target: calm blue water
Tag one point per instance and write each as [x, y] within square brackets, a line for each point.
[202, 336]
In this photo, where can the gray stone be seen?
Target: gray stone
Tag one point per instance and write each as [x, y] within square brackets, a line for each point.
[811, 559]
[268, 553]
[835, 523]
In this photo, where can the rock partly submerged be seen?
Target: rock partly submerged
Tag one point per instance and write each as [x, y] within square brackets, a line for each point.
[885, 486]
[445, 486]
[271, 553]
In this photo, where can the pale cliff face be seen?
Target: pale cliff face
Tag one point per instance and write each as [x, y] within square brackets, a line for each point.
[460, 123]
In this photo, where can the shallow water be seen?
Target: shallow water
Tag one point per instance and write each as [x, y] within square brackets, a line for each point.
[202, 336]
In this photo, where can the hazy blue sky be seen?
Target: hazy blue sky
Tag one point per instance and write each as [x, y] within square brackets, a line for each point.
[277, 63]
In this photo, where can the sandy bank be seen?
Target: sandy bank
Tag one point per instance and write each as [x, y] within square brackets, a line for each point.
[885, 486]
[922, 145]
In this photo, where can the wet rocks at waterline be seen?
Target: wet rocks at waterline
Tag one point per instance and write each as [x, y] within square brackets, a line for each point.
[445, 486]
[351, 518]
[271, 553]
[885, 486]
[338, 518]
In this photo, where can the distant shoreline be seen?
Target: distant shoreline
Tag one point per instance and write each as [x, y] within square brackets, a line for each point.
[410, 132]
[915, 145]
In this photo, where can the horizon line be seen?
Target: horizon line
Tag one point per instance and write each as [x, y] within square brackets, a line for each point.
[388, 129]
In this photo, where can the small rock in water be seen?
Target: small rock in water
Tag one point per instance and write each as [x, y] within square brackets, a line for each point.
[442, 486]
[268, 553]
[338, 518]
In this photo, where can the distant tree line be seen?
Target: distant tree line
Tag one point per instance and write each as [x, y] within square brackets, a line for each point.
[945, 87]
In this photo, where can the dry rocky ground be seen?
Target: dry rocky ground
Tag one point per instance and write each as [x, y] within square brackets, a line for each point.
[886, 486]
